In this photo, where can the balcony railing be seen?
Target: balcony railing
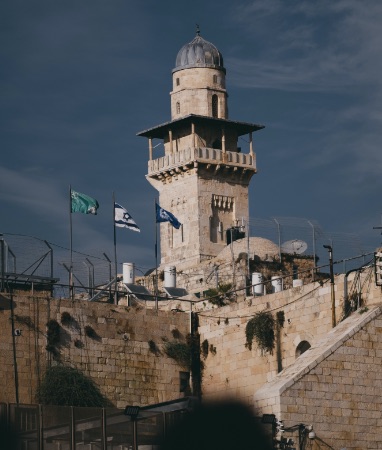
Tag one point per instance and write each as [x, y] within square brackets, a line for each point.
[201, 154]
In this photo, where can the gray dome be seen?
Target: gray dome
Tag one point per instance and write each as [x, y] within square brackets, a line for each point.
[199, 53]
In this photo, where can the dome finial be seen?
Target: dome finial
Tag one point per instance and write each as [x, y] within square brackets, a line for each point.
[197, 30]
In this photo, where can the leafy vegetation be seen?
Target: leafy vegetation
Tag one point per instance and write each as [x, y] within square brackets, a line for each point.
[180, 352]
[67, 386]
[91, 332]
[153, 347]
[261, 328]
[66, 318]
[53, 336]
[221, 295]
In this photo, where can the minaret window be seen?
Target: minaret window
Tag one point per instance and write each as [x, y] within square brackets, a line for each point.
[177, 107]
[217, 143]
[214, 105]
[215, 79]
[177, 82]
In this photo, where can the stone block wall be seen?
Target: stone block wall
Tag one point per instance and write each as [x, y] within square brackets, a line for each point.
[124, 356]
[335, 386]
[234, 370]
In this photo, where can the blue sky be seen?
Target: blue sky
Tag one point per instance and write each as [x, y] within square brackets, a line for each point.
[79, 79]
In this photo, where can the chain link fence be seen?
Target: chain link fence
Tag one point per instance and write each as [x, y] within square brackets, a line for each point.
[25, 259]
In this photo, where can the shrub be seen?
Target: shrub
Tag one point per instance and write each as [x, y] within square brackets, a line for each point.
[261, 328]
[180, 352]
[53, 336]
[219, 296]
[67, 386]
[66, 318]
[90, 332]
[153, 347]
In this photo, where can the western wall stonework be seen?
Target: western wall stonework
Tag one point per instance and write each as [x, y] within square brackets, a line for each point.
[123, 355]
[235, 370]
[334, 385]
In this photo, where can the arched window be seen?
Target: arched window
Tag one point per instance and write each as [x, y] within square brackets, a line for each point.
[177, 107]
[302, 347]
[214, 105]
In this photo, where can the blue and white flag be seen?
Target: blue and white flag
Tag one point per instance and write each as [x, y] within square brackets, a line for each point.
[164, 216]
[123, 219]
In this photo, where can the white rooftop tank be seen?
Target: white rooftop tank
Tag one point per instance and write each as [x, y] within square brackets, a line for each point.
[128, 273]
[170, 276]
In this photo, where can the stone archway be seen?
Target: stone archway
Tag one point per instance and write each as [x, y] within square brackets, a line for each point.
[302, 347]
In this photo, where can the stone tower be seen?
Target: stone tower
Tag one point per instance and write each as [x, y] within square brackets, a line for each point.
[203, 176]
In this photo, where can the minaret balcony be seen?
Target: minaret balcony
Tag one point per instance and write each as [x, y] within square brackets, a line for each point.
[191, 157]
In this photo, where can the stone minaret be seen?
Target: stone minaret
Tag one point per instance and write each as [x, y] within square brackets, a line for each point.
[203, 176]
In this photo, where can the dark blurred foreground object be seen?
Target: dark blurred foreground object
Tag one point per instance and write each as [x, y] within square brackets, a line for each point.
[218, 425]
[8, 439]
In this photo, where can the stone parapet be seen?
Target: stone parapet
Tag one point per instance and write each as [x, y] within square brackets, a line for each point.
[190, 156]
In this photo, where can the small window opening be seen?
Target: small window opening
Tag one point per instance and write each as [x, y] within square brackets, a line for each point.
[214, 106]
[177, 107]
[302, 347]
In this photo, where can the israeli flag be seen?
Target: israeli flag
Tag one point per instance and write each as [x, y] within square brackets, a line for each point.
[164, 216]
[123, 219]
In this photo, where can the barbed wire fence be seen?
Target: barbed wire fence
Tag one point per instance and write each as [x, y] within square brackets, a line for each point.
[25, 257]
[348, 250]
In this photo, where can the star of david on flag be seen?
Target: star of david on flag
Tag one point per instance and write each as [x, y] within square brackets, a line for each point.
[165, 216]
[123, 219]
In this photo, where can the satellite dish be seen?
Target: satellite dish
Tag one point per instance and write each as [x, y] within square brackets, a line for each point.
[295, 246]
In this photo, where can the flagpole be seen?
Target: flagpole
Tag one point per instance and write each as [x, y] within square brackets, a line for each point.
[71, 290]
[156, 256]
[115, 256]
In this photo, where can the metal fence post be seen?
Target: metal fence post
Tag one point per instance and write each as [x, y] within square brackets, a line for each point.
[2, 262]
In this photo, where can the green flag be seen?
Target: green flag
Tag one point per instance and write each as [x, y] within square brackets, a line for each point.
[83, 203]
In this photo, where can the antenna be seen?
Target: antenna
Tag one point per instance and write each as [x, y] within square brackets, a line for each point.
[378, 228]
[295, 246]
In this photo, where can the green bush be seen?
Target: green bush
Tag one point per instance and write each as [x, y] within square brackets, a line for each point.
[66, 386]
[219, 296]
[180, 352]
[261, 328]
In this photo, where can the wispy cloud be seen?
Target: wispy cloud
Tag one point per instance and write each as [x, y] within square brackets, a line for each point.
[306, 46]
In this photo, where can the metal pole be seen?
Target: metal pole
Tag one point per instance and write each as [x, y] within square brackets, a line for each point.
[115, 256]
[104, 435]
[51, 258]
[135, 434]
[15, 371]
[314, 248]
[156, 259]
[279, 235]
[2, 262]
[109, 261]
[90, 277]
[329, 248]
[71, 286]
[72, 429]
[40, 428]
[248, 265]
